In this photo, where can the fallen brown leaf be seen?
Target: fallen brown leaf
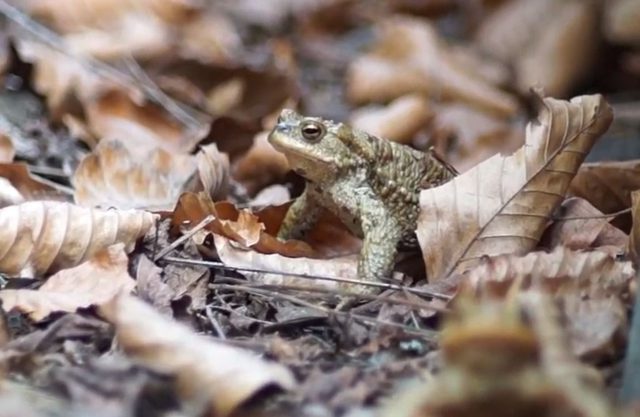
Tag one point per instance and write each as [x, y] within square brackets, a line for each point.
[261, 165]
[503, 204]
[409, 57]
[578, 225]
[607, 185]
[399, 121]
[45, 236]
[93, 282]
[7, 151]
[213, 170]
[562, 34]
[205, 369]
[31, 187]
[113, 175]
[592, 286]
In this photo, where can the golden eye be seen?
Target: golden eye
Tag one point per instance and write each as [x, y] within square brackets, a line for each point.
[312, 130]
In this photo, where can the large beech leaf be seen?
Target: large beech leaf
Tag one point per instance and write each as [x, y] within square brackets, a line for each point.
[503, 204]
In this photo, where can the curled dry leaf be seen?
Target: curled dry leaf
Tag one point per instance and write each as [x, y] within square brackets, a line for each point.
[561, 34]
[607, 185]
[409, 57]
[205, 370]
[213, 169]
[93, 282]
[578, 225]
[115, 176]
[115, 114]
[45, 236]
[503, 204]
[399, 121]
[621, 21]
[284, 270]
[592, 286]
[31, 187]
[529, 370]
[261, 165]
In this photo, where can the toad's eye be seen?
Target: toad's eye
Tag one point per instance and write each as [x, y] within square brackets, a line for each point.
[312, 131]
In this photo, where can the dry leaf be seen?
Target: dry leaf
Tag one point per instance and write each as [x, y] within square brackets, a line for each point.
[634, 236]
[578, 225]
[114, 114]
[621, 21]
[409, 58]
[261, 165]
[562, 34]
[31, 187]
[283, 270]
[93, 282]
[503, 204]
[45, 236]
[213, 169]
[114, 175]
[591, 285]
[607, 185]
[7, 151]
[399, 121]
[205, 370]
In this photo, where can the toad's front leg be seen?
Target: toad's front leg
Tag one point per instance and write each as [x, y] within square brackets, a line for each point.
[301, 216]
[379, 250]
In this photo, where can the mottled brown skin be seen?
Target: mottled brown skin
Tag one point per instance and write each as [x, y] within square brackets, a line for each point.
[370, 183]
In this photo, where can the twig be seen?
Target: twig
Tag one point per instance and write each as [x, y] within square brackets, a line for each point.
[184, 237]
[381, 285]
[214, 323]
[342, 293]
[265, 293]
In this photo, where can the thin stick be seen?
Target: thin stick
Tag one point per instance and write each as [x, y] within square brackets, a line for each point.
[330, 291]
[184, 237]
[381, 285]
[265, 293]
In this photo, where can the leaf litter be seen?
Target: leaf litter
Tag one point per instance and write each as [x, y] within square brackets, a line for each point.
[141, 273]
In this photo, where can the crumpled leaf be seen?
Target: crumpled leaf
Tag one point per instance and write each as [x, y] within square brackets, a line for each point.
[206, 370]
[607, 185]
[45, 236]
[283, 270]
[93, 282]
[409, 58]
[634, 236]
[503, 204]
[31, 187]
[562, 34]
[115, 176]
[592, 286]
[7, 150]
[261, 165]
[399, 121]
[213, 169]
[578, 225]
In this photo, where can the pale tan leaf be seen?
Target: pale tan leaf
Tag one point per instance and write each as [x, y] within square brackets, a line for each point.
[592, 287]
[408, 58]
[561, 34]
[261, 165]
[93, 282]
[503, 204]
[213, 169]
[223, 375]
[45, 236]
[283, 270]
[578, 225]
[115, 176]
[7, 151]
[607, 185]
[9, 195]
[399, 121]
